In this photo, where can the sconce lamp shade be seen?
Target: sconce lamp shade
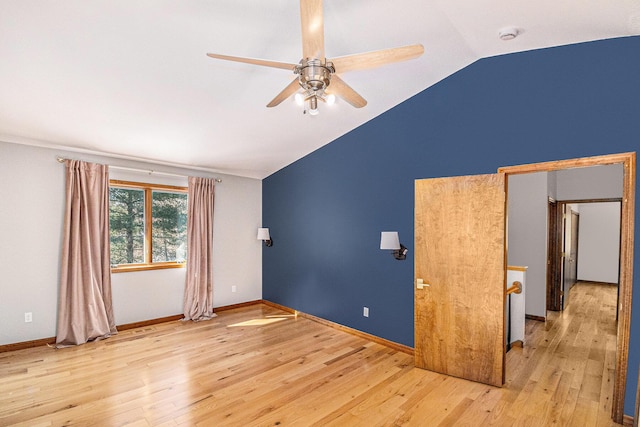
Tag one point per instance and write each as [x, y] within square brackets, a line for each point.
[263, 234]
[389, 240]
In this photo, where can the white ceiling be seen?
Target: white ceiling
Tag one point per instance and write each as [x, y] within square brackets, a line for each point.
[132, 78]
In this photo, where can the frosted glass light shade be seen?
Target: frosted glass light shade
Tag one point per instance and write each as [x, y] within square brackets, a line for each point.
[263, 234]
[389, 240]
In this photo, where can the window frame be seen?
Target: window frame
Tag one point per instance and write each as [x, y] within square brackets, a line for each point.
[148, 189]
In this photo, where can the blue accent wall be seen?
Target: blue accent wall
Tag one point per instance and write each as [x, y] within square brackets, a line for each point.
[326, 211]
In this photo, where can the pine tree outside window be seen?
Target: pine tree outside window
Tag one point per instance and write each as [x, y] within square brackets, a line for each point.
[148, 226]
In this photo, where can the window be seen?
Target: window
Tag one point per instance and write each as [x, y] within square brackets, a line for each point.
[148, 226]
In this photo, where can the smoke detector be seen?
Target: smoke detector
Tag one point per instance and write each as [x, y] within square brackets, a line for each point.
[508, 33]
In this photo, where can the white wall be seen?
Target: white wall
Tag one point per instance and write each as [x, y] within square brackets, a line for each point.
[599, 242]
[552, 185]
[595, 182]
[602, 230]
[31, 206]
[31, 215]
[527, 235]
[527, 220]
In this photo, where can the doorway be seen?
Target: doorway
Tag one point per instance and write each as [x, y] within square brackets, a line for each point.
[562, 249]
[628, 161]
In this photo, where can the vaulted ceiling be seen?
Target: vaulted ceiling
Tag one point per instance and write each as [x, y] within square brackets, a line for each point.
[131, 78]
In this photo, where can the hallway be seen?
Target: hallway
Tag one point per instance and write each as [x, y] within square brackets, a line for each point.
[567, 365]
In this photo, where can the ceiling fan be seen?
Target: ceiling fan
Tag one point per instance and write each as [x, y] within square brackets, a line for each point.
[317, 75]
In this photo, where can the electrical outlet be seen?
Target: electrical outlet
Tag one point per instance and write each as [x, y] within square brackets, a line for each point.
[28, 317]
[234, 288]
[365, 311]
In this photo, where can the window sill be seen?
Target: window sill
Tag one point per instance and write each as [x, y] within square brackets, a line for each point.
[145, 267]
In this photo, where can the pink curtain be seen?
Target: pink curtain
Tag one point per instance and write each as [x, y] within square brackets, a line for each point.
[198, 290]
[85, 310]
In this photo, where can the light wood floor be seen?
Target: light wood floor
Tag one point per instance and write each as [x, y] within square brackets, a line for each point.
[258, 366]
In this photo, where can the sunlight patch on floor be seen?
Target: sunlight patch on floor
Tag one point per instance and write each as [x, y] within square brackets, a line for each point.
[264, 321]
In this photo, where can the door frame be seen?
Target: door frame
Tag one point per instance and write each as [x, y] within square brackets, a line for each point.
[554, 242]
[627, 211]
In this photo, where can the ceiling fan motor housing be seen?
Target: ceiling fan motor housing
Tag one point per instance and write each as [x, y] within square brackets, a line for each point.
[314, 75]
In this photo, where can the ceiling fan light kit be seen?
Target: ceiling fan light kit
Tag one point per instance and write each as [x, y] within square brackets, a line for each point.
[315, 73]
[314, 78]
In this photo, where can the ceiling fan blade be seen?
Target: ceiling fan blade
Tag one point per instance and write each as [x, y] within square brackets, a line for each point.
[377, 58]
[312, 29]
[291, 88]
[340, 88]
[264, 63]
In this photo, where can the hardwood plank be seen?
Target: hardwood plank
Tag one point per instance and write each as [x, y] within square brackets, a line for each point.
[233, 370]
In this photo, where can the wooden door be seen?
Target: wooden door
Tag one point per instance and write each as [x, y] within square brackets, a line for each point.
[460, 257]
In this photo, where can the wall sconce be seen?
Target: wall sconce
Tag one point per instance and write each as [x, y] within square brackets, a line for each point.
[389, 240]
[263, 234]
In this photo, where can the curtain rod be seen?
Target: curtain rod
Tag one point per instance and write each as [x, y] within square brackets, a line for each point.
[149, 171]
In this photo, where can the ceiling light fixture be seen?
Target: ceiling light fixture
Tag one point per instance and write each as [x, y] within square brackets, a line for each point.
[314, 72]
[314, 77]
